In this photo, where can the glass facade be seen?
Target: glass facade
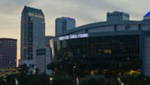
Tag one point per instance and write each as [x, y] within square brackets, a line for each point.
[63, 24]
[32, 32]
[8, 53]
[32, 37]
[119, 52]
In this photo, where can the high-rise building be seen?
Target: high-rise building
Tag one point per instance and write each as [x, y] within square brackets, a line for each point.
[8, 52]
[32, 36]
[63, 24]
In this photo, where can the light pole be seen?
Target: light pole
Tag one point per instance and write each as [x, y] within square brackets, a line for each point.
[145, 81]
[77, 81]
[4, 79]
[51, 79]
[16, 82]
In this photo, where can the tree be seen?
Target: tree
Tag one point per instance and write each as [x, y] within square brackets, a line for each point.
[37, 71]
[23, 69]
[2, 82]
[63, 78]
[11, 79]
[51, 66]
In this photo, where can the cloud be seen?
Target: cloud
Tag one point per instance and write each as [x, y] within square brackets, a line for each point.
[11, 7]
[84, 11]
[91, 10]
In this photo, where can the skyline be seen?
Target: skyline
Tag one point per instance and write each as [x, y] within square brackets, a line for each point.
[94, 11]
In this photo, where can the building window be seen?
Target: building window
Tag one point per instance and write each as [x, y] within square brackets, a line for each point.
[127, 27]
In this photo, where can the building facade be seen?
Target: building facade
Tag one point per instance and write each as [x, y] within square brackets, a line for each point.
[113, 45]
[32, 36]
[48, 52]
[48, 49]
[63, 24]
[8, 53]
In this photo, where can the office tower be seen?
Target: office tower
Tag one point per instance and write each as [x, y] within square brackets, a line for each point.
[32, 36]
[8, 52]
[64, 24]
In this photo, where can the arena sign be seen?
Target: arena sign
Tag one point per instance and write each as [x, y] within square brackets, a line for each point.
[73, 36]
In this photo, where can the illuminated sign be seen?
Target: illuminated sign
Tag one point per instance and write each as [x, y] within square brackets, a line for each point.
[35, 15]
[73, 36]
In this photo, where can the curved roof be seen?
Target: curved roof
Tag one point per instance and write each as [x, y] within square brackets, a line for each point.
[105, 23]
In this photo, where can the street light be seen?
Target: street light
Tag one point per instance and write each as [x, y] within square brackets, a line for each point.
[16, 82]
[77, 81]
[145, 81]
[51, 79]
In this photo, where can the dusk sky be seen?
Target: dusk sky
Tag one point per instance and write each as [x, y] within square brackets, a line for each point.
[84, 11]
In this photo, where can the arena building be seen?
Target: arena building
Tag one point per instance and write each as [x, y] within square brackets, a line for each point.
[115, 44]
